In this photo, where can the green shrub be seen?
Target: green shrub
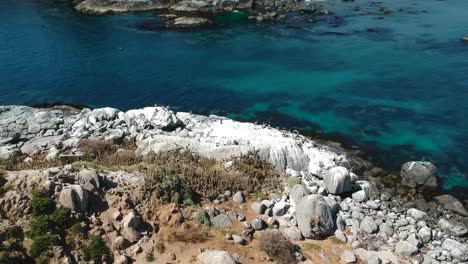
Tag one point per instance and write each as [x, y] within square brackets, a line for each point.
[60, 217]
[41, 245]
[40, 203]
[12, 232]
[278, 247]
[294, 181]
[38, 225]
[149, 257]
[75, 232]
[94, 249]
[167, 187]
[202, 217]
[261, 196]
[160, 247]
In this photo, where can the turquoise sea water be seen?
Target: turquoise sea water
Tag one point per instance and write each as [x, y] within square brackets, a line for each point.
[395, 85]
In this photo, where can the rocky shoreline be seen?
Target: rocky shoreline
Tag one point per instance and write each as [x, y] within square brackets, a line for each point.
[379, 217]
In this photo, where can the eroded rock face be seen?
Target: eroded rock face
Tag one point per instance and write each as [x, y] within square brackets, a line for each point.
[314, 217]
[418, 174]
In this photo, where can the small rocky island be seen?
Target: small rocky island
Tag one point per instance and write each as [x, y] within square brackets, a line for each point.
[153, 186]
[189, 13]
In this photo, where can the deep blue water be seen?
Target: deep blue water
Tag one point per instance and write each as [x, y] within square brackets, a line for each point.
[397, 86]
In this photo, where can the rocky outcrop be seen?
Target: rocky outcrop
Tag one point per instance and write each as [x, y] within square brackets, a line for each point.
[120, 6]
[35, 130]
[418, 174]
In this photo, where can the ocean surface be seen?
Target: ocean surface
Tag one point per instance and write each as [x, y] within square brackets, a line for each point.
[394, 85]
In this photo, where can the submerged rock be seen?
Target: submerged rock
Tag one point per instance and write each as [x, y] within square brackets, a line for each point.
[188, 22]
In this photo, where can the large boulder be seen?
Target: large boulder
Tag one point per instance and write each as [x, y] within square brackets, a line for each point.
[215, 257]
[456, 249]
[221, 221]
[89, 179]
[74, 197]
[416, 214]
[405, 248]
[452, 228]
[451, 203]
[337, 180]
[314, 217]
[368, 225]
[418, 174]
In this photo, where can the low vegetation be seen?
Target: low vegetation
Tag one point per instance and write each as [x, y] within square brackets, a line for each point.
[192, 176]
[95, 249]
[278, 247]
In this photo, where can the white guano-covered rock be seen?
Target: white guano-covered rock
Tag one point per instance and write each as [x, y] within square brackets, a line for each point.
[152, 117]
[337, 180]
[215, 257]
[314, 216]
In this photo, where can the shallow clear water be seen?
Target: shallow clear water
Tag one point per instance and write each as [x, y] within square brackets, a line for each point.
[396, 87]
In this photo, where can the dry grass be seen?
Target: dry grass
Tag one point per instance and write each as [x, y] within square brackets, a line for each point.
[278, 247]
[37, 162]
[189, 234]
[96, 149]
